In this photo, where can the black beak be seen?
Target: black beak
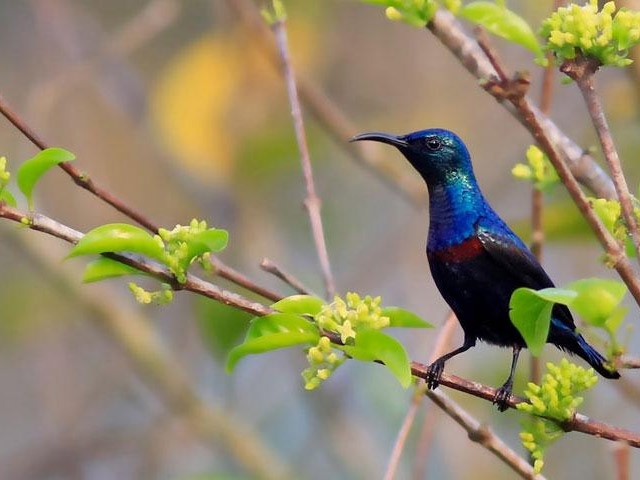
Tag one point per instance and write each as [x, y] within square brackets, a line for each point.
[396, 141]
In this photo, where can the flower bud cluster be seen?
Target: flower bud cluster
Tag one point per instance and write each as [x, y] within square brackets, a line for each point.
[176, 245]
[538, 169]
[159, 297]
[555, 398]
[323, 360]
[604, 35]
[346, 316]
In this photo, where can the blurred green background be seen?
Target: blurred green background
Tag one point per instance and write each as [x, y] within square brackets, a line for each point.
[173, 106]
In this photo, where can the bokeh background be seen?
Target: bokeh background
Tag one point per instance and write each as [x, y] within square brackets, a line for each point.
[174, 106]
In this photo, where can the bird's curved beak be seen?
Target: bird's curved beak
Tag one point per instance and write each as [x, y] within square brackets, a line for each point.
[396, 141]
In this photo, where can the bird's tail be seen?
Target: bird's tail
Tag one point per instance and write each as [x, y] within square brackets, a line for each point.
[580, 347]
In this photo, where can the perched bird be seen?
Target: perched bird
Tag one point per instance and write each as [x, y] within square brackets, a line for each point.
[475, 258]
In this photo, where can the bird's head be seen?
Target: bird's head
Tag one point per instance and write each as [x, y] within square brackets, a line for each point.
[439, 155]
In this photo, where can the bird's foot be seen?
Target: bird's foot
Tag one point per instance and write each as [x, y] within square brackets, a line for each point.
[434, 372]
[501, 399]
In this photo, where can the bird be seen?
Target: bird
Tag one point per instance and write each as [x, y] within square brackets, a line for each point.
[475, 259]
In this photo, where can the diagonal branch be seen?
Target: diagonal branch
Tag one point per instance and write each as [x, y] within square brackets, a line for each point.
[312, 203]
[582, 71]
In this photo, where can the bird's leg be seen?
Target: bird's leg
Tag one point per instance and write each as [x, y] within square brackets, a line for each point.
[504, 392]
[434, 371]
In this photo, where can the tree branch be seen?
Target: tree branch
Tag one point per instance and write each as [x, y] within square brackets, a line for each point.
[269, 266]
[312, 203]
[582, 71]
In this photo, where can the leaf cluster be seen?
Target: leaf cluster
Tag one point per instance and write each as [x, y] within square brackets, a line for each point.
[309, 322]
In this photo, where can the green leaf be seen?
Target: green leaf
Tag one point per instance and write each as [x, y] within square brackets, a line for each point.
[531, 315]
[597, 299]
[103, 268]
[299, 304]
[271, 332]
[399, 317]
[565, 296]
[211, 240]
[501, 22]
[31, 170]
[8, 198]
[373, 345]
[118, 237]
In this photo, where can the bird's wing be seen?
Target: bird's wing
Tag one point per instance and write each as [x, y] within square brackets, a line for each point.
[518, 262]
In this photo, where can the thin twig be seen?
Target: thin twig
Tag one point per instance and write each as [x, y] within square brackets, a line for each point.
[329, 114]
[484, 436]
[312, 202]
[621, 456]
[441, 344]
[271, 267]
[582, 71]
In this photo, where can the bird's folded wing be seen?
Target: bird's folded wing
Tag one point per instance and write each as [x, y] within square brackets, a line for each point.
[518, 262]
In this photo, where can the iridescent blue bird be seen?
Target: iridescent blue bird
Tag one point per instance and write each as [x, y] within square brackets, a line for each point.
[475, 258]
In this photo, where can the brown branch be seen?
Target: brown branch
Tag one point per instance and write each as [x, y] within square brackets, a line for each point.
[269, 266]
[312, 202]
[441, 344]
[582, 71]
[621, 457]
[452, 35]
[329, 114]
[484, 436]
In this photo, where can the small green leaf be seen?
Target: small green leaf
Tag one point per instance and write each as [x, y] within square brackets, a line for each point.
[267, 343]
[299, 304]
[271, 332]
[531, 315]
[597, 299]
[103, 268]
[501, 22]
[31, 170]
[612, 324]
[118, 237]
[279, 323]
[373, 345]
[399, 317]
[8, 198]
[565, 296]
[211, 240]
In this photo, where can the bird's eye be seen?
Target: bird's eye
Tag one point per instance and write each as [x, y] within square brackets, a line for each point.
[433, 143]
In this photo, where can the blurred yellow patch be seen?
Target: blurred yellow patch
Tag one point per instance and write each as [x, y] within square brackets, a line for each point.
[215, 92]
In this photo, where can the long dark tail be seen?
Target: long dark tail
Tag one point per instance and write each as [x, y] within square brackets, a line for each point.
[575, 343]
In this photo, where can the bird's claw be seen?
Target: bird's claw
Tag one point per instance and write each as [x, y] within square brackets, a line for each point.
[501, 398]
[434, 372]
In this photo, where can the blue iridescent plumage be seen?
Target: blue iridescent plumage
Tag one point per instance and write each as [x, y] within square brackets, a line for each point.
[475, 258]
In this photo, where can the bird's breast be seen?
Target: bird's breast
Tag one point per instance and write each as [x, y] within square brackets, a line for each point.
[460, 252]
